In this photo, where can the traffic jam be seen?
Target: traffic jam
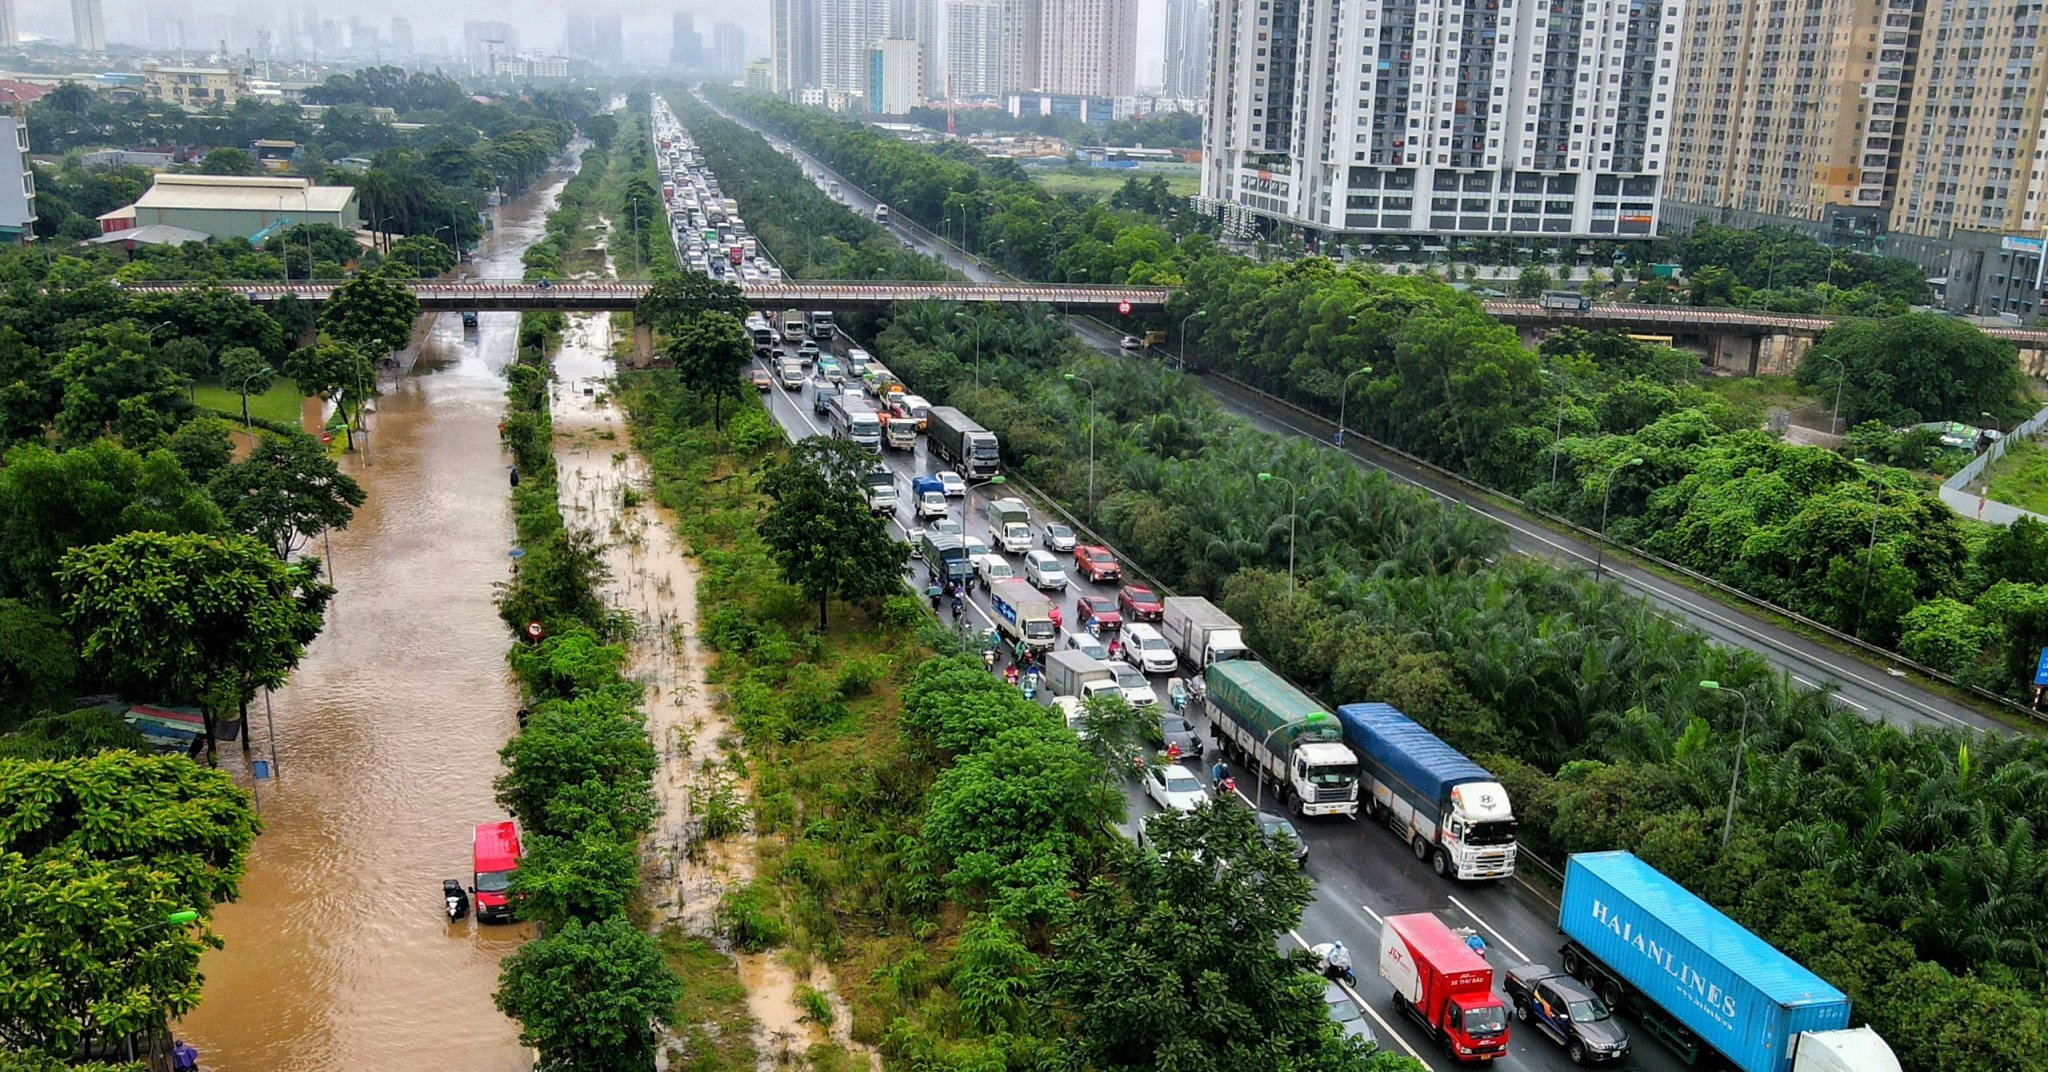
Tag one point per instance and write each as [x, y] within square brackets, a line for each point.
[1430, 942]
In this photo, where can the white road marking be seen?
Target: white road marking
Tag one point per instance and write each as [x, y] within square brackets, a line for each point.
[1498, 936]
[1375, 915]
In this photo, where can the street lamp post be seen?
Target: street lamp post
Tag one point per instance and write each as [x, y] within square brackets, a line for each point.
[1071, 378]
[1741, 743]
[960, 316]
[1184, 335]
[1259, 767]
[363, 406]
[249, 425]
[1344, 399]
[1600, 553]
[1841, 377]
[1293, 499]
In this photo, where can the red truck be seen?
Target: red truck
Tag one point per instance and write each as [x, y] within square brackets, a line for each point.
[1445, 986]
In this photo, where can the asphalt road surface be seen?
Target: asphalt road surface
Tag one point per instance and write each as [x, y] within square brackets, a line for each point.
[1870, 690]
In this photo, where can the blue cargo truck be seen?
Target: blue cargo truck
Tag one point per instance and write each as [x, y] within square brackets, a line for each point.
[1698, 980]
[1454, 814]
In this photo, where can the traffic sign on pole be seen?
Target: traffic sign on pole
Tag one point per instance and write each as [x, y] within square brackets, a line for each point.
[1124, 307]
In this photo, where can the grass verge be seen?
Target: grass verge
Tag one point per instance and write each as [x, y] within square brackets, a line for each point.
[2021, 477]
[711, 1020]
[282, 403]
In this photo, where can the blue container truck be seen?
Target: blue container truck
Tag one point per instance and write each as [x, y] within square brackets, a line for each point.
[1454, 814]
[1698, 980]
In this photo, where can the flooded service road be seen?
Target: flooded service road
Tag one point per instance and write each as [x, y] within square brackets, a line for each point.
[338, 954]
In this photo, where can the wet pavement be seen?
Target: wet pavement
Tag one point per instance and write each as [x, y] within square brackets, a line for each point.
[338, 953]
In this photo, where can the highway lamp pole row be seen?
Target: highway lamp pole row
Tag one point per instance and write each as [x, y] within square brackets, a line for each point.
[1741, 743]
[1344, 398]
[962, 316]
[1071, 378]
[1184, 348]
[1600, 552]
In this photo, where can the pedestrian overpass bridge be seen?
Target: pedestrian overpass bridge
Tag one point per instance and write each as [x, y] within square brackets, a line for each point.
[512, 295]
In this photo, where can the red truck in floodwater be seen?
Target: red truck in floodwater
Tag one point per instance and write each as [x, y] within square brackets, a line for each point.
[1445, 986]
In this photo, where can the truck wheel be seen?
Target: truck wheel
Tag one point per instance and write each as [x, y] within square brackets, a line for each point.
[1611, 993]
[1576, 1051]
[1571, 961]
[1441, 861]
[1421, 850]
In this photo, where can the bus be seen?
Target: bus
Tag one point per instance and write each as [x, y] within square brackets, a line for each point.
[794, 326]
[1570, 301]
[851, 418]
[762, 331]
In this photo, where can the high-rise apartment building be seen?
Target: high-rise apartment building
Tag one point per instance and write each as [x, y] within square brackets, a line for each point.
[10, 29]
[685, 47]
[1020, 38]
[895, 76]
[401, 35]
[18, 189]
[1505, 118]
[89, 25]
[728, 48]
[1789, 114]
[484, 42]
[974, 39]
[793, 44]
[846, 30]
[1187, 49]
[1088, 48]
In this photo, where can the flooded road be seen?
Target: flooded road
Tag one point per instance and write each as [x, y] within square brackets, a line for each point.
[338, 954]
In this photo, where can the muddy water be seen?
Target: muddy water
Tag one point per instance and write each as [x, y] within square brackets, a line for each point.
[338, 954]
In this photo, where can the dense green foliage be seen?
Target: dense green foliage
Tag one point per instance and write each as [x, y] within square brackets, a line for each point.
[1914, 368]
[820, 531]
[589, 996]
[1895, 864]
[97, 855]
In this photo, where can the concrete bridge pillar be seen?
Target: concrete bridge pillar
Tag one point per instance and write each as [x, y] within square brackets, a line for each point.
[1733, 352]
[2033, 361]
[1779, 354]
[643, 345]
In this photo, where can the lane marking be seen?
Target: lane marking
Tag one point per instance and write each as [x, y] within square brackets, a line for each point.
[1375, 915]
[1368, 1009]
[1498, 936]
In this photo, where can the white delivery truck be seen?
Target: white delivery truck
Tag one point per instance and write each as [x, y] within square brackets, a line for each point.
[1200, 632]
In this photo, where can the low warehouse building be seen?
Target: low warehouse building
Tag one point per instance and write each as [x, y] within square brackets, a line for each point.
[237, 206]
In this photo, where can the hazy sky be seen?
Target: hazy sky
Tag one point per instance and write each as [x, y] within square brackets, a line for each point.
[540, 24]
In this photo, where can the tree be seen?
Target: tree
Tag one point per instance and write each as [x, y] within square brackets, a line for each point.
[336, 370]
[304, 246]
[1912, 368]
[708, 351]
[589, 876]
[556, 584]
[372, 311]
[200, 617]
[87, 731]
[595, 739]
[243, 370]
[589, 997]
[1172, 965]
[37, 663]
[674, 299]
[1531, 283]
[819, 529]
[98, 854]
[51, 503]
[287, 491]
[112, 385]
[227, 162]
[426, 255]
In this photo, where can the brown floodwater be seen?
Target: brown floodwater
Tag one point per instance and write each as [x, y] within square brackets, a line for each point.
[338, 953]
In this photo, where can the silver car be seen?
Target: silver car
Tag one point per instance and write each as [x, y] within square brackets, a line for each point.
[1057, 537]
[1044, 571]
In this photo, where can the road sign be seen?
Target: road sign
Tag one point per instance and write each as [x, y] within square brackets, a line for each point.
[534, 631]
[1124, 307]
[2041, 669]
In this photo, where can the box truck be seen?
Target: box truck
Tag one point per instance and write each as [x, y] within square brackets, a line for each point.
[897, 433]
[962, 444]
[1080, 675]
[1444, 986]
[929, 494]
[946, 557]
[1009, 523]
[1200, 632]
[1023, 615]
[1454, 814]
[1262, 721]
[1699, 981]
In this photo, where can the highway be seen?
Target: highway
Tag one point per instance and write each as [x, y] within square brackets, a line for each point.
[1871, 691]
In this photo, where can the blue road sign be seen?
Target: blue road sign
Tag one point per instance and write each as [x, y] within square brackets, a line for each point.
[2041, 669]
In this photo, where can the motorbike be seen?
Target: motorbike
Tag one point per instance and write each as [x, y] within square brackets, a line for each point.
[1334, 962]
[1472, 940]
[455, 898]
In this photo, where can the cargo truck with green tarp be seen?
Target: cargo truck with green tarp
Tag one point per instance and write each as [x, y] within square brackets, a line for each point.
[1281, 733]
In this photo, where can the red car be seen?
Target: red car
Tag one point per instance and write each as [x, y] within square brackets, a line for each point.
[1140, 604]
[760, 379]
[1096, 563]
[1100, 612]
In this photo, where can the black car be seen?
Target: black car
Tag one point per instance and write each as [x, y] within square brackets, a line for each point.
[1282, 835]
[1569, 1012]
[821, 403]
[1178, 736]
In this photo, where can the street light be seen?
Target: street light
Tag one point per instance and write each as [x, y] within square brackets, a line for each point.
[363, 406]
[1870, 552]
[962, 316]
[1184, 335]
[1557, 436]
[1344, 399]
[1841, 377]
[1071, 378]
[1293, 497]
[1741, 742]
[1259, 767]
[1600, 553]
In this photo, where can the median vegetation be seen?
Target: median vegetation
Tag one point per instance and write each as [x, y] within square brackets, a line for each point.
[1887, 861]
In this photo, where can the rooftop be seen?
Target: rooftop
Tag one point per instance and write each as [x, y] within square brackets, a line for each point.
[274, 193]
[156, 234]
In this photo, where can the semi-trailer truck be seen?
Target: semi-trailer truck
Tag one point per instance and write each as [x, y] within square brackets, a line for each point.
[1022, 613]
[1444, 985]
[962, 444]
[1454, 814]
[1262, 721]
[1699, 981]
[1200, 632]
